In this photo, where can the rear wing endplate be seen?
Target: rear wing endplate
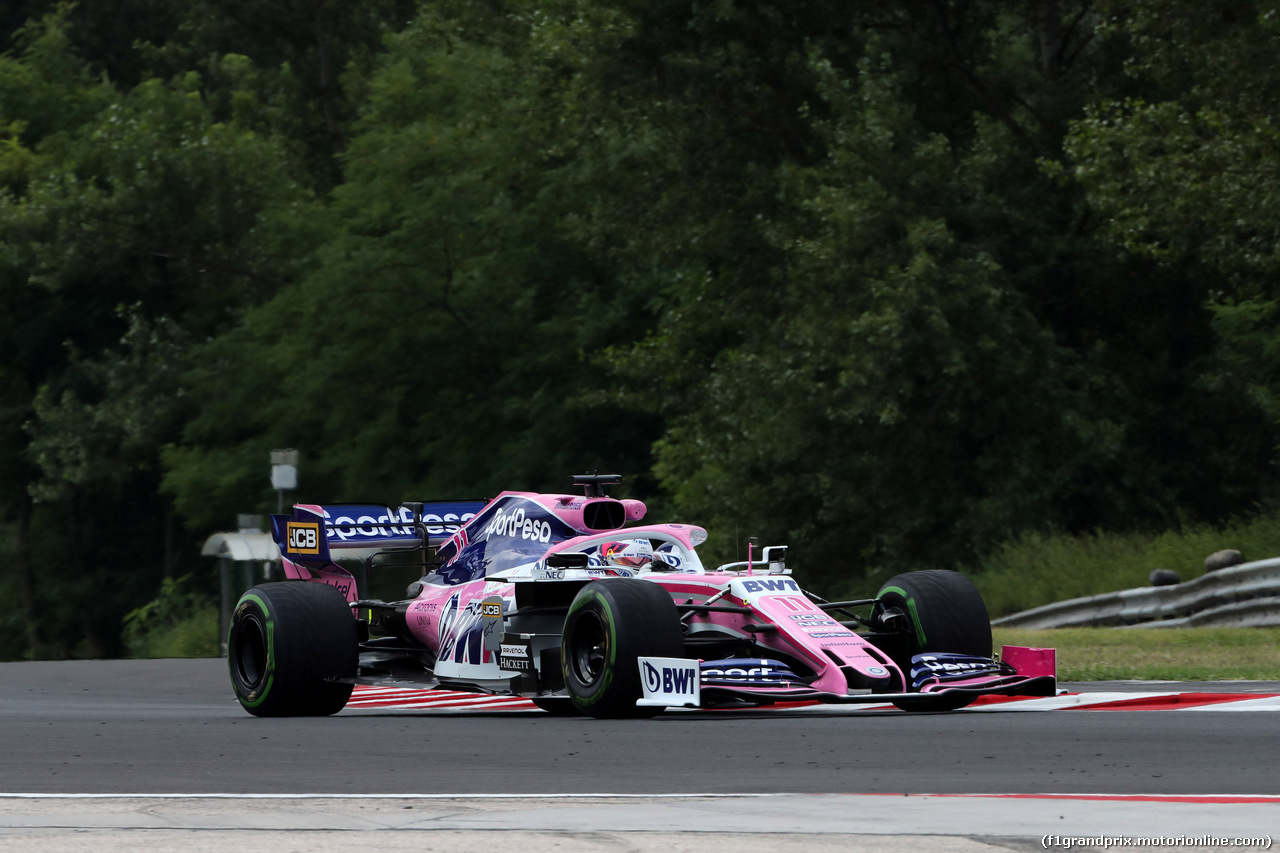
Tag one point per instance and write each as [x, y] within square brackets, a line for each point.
[314, 531]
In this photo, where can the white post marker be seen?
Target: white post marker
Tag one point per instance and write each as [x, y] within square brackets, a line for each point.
[284, 474]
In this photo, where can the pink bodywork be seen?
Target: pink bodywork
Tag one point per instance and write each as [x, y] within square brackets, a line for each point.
[1031, 662]
[335, 576]
[781, 608]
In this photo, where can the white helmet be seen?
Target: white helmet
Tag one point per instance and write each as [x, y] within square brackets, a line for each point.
[632, 554]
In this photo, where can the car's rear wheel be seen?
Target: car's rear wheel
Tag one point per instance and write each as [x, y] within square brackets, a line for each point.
[285, 642]
[610, 624]
[943, 612]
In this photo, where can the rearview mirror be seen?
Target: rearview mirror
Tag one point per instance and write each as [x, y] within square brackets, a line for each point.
[567, 561]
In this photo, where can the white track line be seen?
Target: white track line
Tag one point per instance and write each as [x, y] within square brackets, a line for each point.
[318, 796]
[1262, 703]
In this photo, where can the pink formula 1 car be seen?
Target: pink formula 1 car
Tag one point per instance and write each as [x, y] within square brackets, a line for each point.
[555, 598]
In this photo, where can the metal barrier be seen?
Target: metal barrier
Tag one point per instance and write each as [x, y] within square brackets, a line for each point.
[1243, 595]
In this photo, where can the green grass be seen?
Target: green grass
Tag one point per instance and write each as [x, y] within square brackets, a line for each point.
[180, 623]
[1160, 654]
[1041, 569]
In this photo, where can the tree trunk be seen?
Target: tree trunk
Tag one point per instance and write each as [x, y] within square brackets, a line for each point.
[170, 539]
[327, 94]
[26, 576]
[80, 568]
[1050, 31]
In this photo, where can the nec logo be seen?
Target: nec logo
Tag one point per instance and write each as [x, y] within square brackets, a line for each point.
[303, 538]
[670, 680]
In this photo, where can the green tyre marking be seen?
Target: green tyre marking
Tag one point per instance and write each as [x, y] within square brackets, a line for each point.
[911, 606]
[607, 678]
[271, 651]
[613, 635]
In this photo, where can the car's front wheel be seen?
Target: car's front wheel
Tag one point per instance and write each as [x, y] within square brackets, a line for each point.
[943, 612]
[286, 641]
[610, 624]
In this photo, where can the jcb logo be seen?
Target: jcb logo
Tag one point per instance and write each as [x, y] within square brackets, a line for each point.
[304, 538]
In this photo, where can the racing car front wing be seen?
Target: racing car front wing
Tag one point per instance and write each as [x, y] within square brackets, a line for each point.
[676, 682]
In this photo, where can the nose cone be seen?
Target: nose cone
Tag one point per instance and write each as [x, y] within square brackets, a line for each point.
[877, 678]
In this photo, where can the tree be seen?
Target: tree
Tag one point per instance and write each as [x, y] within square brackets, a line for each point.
[1182, 171]
[299, 54]
[137, 199]
[44, 93]
[1186, 174]
[899, 332]
[436, 348]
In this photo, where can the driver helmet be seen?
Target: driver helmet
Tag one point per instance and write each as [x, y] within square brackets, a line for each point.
[627, 553]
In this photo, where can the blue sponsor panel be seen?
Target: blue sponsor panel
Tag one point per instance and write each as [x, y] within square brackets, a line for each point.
[463, 628]
[510, 532]
[469, 566]
[940, 667]
[312, 532]
[363, 526]
[739, 671]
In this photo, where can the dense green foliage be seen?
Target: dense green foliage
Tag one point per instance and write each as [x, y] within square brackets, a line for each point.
[179, 623]
[896, 283]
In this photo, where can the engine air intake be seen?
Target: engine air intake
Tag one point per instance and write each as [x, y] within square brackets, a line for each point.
[604, 515]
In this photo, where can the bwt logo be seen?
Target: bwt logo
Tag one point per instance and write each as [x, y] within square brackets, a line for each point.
[669, 679]
[771, 585]
[303, 538]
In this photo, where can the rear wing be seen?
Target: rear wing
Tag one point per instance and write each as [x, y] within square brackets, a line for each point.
[314, 531]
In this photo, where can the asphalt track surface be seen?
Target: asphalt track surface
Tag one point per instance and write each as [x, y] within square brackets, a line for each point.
[137, 727]
[117, 756]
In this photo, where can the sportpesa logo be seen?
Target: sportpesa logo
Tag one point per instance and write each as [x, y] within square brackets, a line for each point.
[516, 524]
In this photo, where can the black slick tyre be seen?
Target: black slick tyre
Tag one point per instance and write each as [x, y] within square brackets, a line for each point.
[945, 613]
[610, 624]
[285, 641]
